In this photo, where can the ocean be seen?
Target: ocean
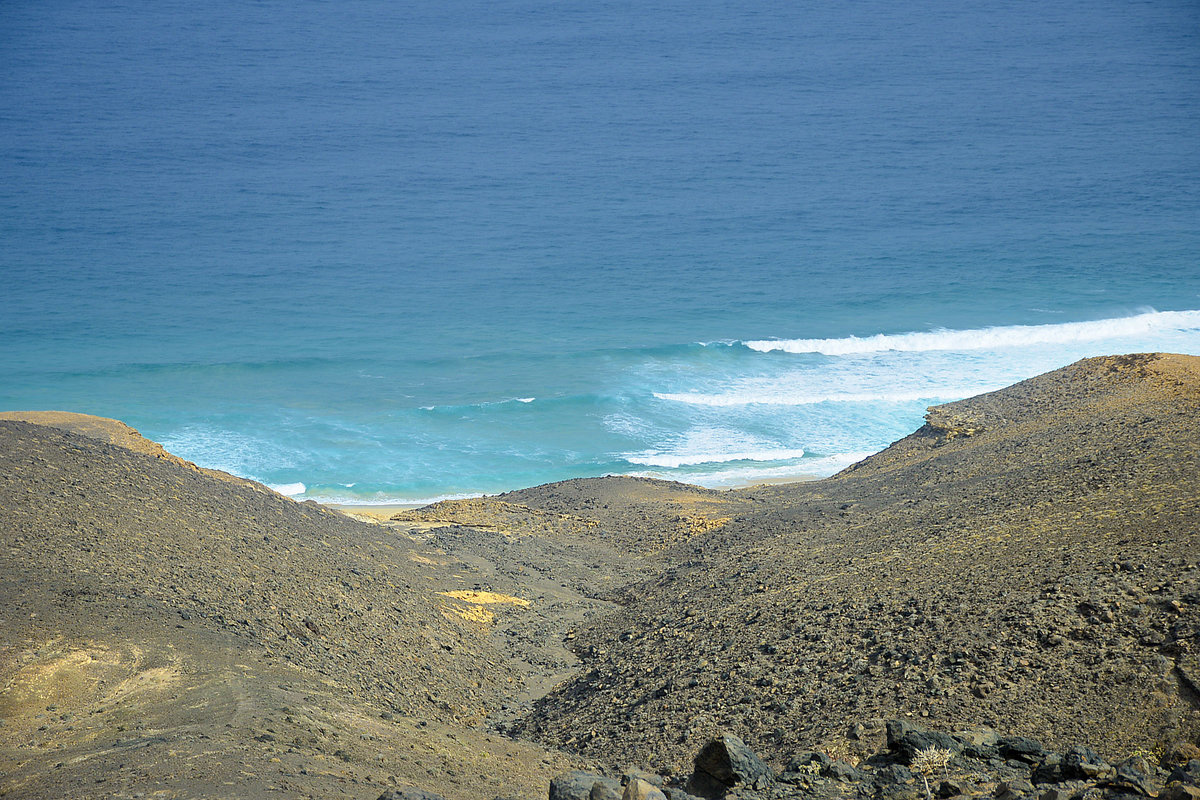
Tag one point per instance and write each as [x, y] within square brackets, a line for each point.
[390, 252]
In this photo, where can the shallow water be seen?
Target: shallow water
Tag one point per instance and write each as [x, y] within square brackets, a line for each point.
[394, 253]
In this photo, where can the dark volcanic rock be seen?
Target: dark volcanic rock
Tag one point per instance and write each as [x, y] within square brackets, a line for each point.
[1083, 763]
[1180, 791]
[1012, 790]
[1131, 781]
[1186, 773]
[724, 763]
[907, 739]
[579, 785]
[1021, 748]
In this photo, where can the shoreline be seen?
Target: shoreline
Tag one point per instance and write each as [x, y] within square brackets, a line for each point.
[385, 511]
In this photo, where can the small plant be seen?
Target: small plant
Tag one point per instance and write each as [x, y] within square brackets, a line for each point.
[930, 761]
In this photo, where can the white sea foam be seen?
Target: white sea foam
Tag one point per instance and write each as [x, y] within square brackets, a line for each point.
[712, 445]
[1151, 322]
[332, 499]
[672, 460]
[289, 489]
[784, 398]
[728, 477]
[229, 451]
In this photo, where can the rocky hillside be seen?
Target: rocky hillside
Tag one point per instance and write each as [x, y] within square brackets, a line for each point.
[164, 626]
[1026, 560]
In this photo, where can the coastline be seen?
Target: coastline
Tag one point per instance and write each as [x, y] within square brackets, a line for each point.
[384, 512]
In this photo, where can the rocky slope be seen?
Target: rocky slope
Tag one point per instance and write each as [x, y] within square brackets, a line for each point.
[162, 626]
[1027, 560]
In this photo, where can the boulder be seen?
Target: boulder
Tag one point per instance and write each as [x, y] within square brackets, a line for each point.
[638, 789]
[1049, 770]
[606, 790]
[1056, 793]
[807, 760]
[1021, 748]
[1011, 790]
[579, 785]
[1131, 781]
[1180, 791]
[906, 739]
[633, 773]
[842, 771]
[894, 773]
[978, 743]
[678, 794]
[724, 763]
[1186, 773]
[1083, 763]
[955, 787]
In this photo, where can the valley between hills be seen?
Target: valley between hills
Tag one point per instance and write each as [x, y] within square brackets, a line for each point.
[1015, 584]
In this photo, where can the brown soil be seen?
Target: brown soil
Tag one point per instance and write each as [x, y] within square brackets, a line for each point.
[1027, 560]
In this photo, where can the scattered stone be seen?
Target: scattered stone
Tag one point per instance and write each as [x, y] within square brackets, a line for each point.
[1083, 763]
[1131, 781]
[1180, 791]
[1011, 790]
[1186, 773]
[841, 771]
[1055, 793]
[409, 794]
[954, 787]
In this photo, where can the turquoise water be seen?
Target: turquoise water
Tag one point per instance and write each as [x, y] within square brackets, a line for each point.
[394, 252]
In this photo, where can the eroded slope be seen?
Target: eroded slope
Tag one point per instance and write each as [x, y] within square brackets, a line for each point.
[1027, 560]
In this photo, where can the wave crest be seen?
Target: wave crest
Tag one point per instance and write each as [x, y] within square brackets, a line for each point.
[989, 338]
[769, 398]
[675, 460]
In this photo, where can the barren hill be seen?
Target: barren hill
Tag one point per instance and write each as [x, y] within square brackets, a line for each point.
[1027, 560]
[162, 626]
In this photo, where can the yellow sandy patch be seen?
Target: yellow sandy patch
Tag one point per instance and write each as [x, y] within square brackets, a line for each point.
[697, 525]
[484, 598]
[81, 678]
[472, 613]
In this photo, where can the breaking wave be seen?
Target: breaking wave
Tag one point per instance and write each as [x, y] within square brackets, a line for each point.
[673, 460]
[768, 398]
[1008, 336]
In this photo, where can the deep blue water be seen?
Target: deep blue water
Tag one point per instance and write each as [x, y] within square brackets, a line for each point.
[396, 251]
